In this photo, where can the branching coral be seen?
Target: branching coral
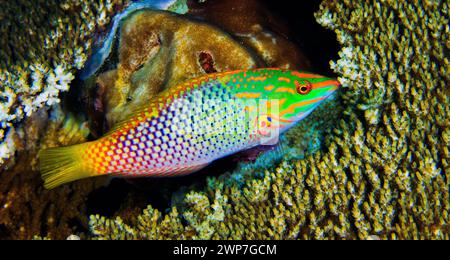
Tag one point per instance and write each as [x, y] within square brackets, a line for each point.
[385, 172]
[40, 49]
[395, 65]
[42, 43]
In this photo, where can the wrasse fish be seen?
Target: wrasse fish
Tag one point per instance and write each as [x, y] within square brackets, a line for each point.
[186, 127]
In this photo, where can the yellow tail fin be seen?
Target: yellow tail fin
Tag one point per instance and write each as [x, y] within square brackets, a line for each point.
[62, 165]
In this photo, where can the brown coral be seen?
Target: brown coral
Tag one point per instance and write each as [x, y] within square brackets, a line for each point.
[252, 23]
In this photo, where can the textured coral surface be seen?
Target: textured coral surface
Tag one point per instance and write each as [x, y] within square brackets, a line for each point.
[258, 27]
[42, 44]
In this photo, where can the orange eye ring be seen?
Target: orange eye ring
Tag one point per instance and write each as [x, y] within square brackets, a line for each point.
[303, 87]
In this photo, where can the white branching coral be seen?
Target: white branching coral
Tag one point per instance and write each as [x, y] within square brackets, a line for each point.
[40, 69]
[20, 100]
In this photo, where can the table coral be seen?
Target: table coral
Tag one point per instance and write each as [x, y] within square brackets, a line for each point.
[385, 171]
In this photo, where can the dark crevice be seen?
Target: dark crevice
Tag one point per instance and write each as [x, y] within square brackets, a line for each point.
[107, 200]
[206, 61]
[4, 233]
[318, 44]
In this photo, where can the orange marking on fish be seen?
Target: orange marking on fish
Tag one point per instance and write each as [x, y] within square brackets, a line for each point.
[269, 88]
[291, 108]
[217, 75]
[248, 95]
[284, 79]
[325, 84]
[262, 78]
[284, 90]
[305, 75]
[268, 103]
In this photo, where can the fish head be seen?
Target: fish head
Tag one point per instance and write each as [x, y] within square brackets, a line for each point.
[298, 94]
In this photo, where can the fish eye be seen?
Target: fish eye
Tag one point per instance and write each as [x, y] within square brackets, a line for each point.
[303, 87]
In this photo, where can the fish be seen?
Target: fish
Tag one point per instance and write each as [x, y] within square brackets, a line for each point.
[103, 51]
[190, 125]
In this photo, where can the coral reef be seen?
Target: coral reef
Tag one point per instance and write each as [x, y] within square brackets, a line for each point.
[44, 43]
[42, 48]
[39, 62]
[385, 171]
[394, 147]
[382, 173]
